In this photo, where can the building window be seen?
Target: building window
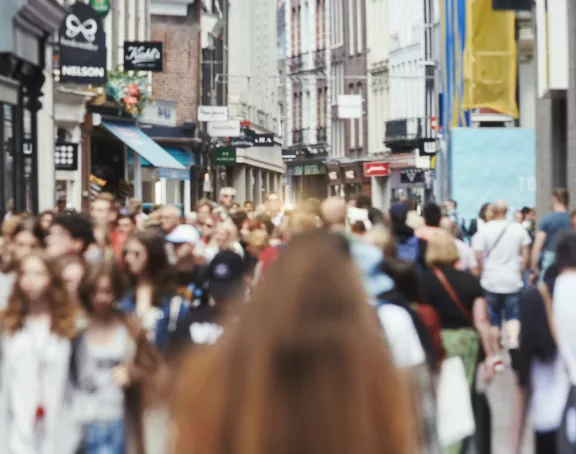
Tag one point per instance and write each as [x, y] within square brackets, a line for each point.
[293, 33]
[352, 139]
[351, 27]
[361, 119]
[299, 31]
[359, 28]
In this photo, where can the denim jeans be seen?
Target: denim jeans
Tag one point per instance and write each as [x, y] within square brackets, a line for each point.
[502, 302]
[103, 438]
[548, 258]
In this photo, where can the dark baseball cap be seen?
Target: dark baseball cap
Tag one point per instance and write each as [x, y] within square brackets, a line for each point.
[226, 275]
[399, 210]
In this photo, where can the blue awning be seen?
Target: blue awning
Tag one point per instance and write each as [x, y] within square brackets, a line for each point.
[184, 157]
[136, 139]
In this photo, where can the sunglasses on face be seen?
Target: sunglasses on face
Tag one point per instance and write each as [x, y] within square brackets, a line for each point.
[136, 254]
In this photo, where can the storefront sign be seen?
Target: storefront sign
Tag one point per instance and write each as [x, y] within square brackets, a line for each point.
[288, 154]
[174, 174]
[143, 56]
[376, 169]
[212, 113]
[263, 140]
[225, 156]
[82, 47]
[350, 174]
[228, 128]
[312, 170]
[402, 161]
[413, 175]
[66, 156]
[102, 7]
[159, 112]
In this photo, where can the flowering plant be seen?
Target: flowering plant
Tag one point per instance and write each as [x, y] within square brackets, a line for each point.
[130, 92]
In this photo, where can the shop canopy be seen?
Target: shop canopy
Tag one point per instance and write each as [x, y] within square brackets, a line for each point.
[138, 141]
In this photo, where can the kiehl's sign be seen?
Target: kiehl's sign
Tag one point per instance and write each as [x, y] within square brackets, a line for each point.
[143, 56]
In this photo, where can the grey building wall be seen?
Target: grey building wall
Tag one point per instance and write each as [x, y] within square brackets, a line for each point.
[571, 103]
[556, 132]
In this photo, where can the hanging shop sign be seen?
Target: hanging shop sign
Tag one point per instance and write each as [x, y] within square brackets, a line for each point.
[159, 112]
[288, 154]
[225, 156]
[413, 175]
[82, 47]
[143, 56]
[228, 128]
[66, 156]
[212, 113]
[376, 169]
[102, 7]
[263, 140]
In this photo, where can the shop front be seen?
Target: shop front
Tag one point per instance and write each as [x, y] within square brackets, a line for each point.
[379, 174]
[131, 164]
[307, 179]
[335, 184]
[408, 181]
[253, 172]
[354, 181]
[25, 29]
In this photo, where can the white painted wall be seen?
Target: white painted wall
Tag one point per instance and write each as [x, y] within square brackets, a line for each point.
[253, 62]
[377, 62]
[527, 93]
[406, 52]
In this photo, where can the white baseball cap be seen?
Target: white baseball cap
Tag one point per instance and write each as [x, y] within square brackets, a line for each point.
[183, 234]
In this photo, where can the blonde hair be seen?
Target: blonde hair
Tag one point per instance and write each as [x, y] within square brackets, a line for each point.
[258, 239]
[382, 238]
[442, 250]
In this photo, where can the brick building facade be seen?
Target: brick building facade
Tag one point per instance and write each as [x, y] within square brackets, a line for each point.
[180, 80]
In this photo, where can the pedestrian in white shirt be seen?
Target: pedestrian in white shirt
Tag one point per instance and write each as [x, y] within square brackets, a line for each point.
[502, 250]
[468, 261]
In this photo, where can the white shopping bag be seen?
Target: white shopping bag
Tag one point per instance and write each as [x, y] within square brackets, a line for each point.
[455, 415]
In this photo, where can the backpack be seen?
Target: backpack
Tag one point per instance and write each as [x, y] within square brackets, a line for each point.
[409, 250]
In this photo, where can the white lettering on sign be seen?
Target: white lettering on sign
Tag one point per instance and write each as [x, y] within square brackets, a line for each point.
[83, 71]
[527, 184]
[141, 54]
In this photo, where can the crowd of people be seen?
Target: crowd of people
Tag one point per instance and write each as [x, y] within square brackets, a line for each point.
[331, 326]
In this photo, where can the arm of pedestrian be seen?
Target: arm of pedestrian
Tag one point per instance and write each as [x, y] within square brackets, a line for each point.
[525, 259]
[480, 260]
[481, 322]
[519, 419]
[539, 240]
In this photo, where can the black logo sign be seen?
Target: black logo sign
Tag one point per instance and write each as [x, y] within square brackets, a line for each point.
[82, 47]
[66, 156]
[143, 56]
[263, 140]
[413, 175]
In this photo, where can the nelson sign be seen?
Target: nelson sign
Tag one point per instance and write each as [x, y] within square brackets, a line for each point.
[82, 47]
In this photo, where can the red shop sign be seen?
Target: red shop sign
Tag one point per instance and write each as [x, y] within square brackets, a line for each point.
[376, 169]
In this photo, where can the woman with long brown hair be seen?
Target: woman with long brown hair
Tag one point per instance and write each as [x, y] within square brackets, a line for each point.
[36, 329]
[305, 369]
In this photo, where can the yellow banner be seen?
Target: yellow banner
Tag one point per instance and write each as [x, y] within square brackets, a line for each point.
[490, 63]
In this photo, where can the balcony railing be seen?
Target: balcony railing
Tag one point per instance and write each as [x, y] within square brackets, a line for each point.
[297, 136]
[295, 63]
[320, 59]
[408, 131]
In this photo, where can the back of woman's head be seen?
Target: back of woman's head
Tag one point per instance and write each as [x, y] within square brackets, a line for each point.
[406, 279]
[305, 369]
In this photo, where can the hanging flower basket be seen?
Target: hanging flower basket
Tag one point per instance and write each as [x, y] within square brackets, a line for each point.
[130, 92]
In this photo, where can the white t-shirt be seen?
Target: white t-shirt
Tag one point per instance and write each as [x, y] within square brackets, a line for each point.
[402, 336]
[501, 272]
[467, 256]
